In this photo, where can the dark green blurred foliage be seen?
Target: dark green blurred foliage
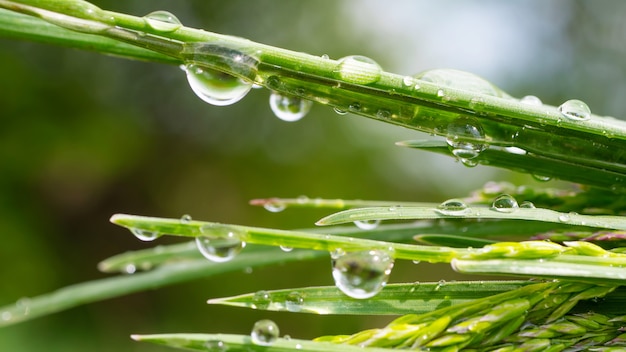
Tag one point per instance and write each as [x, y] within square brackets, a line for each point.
[85, 135]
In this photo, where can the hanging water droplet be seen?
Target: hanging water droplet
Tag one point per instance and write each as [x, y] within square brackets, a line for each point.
[274, 207]
[221, 245]
[264, 332]
[362, 274]
[162, 21]
[466, 138]
[564, 218]
[452, 207]
[289, 108]
[527, 205]
[215, 346]
[367, 224]
[504, 203]
[145, 235]
[286, 248]
[339, 111]
[358, 69]
[294, 301]
[216, 87]
[531, 100]
[461, 80]
[469, 162]
[261, 300]
[185, 219]
[541, 178]
[575, 110]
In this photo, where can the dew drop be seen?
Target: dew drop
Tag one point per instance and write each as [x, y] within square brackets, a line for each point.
[294, 301]
[339, 111]
[302, 199]
[215, 346]
[286, 248]
[362, 274]
[564, 218]
[274, 207]
[527, 205]
[145, 235]
[461, 80]
[504, 203]
[531, 100]
[575, 110]
[452, 207]
[408, 81]
[261, 300]
[218, 248]
[298, 346]
[367, 224]
[130, 269]
[469, 162]
[541, 178]
[441, 93]
[162, 21]
[216, 87]
[465, 138]
[6, 316]
[264, 332]
[383, 114]
[358, 69]
[289, 108]
[185, 219]
[355, 107]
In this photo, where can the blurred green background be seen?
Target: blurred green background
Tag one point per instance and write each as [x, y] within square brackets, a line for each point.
[85, 136]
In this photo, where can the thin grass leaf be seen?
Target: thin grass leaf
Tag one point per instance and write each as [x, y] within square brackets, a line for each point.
[276, 204]
[394, 299]
[451, 241]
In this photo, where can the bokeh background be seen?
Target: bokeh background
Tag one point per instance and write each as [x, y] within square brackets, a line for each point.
[83, 136]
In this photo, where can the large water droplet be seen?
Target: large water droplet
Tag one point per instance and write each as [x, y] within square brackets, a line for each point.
[216, 87]
[294, 301]
[289, 108]
[505, 203]
[452, 207]
[220, 246]
[162, 21]
[461, 80]
[466, 138]
[367, 224]
[358, 69]
[362, 274]
[575, 110]
[145, 235]
[264, 332]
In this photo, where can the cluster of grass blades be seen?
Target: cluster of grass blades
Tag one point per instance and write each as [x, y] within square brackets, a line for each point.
[570, 242]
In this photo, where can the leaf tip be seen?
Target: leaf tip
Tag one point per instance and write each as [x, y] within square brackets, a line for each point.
[135, 337]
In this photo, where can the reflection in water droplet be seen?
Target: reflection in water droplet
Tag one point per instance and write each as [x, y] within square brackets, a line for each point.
[264, 332]
[469, 162]
[289, 108]
[145, 235]
[216, 87]
[531, 100]
[219, 245]
[294, 301]
[575, 110]
[358, 69]
[367, 224]
[162, 21]
[452, 207]
[504, 203]
[185, 219]
[286, 248]
[466, 138]
[362, 274]
[261, 300]
[461, 80]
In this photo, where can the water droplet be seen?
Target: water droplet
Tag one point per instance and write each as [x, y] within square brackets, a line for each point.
[355, 107]
[469, 162]
[215, 346]
[416, 261]
[274, 207]
[23, 304]
[294, 301]
[575, 110]
[221, 246]
[527, 205]
[367, 224]
[286, 248]
[325, 56]
[531, 100]
[185, 219]
[264, 332]
[130, 268]
[452, 207]
[466, 138]
[408, 81]
[145, 235]
[383, 114]
[504, 203]
[216, 87]
[261, 300]
[298, 346]
[461, 80]
[441, 93]
[362, 274]
[6, 315]
[302, 199]
[289, 108]
[541, 178]
[564, 218]
[339, 111]
[358, 70]
[162, 21]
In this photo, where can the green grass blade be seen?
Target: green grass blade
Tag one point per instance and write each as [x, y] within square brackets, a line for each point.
[394, 299]
[227, 342]
[306, 202]
[452, 241]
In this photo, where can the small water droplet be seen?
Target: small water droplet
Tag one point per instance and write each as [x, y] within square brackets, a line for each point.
[531, 100]
[6, 316]
[383, 114]
[130, 268]
[527, 205]
[264, 332]
[452, 207]
[289, 108]
[416, 261]
[294, 301]
[358, 69]
[298, 346]
[504, 203]
[162, 21]
[23, 304]
[216, 87]
[408, 81]
[215, 346]
[469, 162]
[221, 246]
[261, 300]
[302, 199]
[541, 178]
[367, 224]
[465, 137]
[441, 93]
[145, 235]
[286, 248]
[185, 219]
[339, 111]
[564, 218]
[274, 207]
[362, 274]
[575, 110]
